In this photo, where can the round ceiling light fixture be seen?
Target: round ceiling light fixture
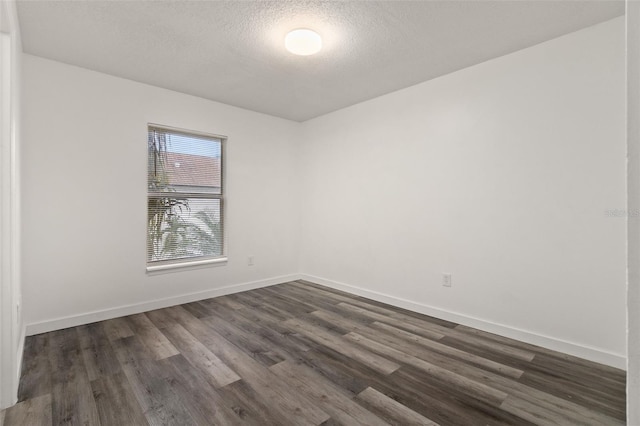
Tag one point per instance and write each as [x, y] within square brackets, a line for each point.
[303, 42]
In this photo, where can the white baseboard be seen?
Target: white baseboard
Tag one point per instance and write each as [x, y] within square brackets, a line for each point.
[586, 352]
[89, 317]
[581, 351]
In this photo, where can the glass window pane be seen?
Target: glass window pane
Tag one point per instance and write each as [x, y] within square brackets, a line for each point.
[182, 228]
[184, 163]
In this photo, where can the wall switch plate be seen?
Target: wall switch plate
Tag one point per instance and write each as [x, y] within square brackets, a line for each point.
[446, 280]
[250, 260]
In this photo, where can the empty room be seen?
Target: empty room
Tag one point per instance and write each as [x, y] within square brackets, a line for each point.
[319, 212]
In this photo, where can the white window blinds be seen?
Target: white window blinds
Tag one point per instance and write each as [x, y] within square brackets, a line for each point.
[185, 196]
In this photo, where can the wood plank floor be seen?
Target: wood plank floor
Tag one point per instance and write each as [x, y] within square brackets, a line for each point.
[302, 354]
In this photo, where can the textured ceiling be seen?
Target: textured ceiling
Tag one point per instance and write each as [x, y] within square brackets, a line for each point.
[233, 52]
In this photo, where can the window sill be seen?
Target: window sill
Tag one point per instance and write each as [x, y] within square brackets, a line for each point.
[167, 267]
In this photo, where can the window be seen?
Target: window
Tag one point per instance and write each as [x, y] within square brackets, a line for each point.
[185, 198]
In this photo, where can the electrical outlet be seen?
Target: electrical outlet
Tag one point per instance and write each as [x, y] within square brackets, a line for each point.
[446, 280]
[250, 260]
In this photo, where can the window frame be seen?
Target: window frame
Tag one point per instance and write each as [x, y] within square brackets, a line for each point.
[168, 264]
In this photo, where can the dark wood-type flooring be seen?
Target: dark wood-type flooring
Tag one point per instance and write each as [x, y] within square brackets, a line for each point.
[302, 354]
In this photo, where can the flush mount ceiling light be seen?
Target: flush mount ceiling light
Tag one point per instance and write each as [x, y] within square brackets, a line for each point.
[303, 42]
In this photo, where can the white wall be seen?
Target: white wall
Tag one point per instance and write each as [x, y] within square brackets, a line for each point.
[633, 197]
[85, 196]
[499, 174]
[11, 326]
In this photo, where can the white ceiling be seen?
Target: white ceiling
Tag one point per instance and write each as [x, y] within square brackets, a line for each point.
[233, 52]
